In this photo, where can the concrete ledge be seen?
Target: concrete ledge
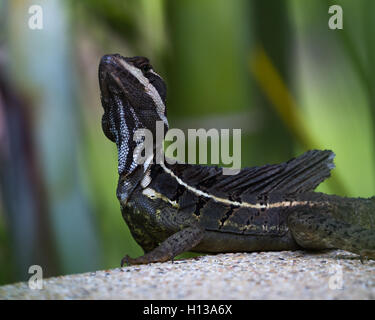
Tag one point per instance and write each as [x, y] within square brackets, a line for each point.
[265, 275]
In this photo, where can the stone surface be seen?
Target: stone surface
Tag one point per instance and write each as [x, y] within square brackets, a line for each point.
[265, 275]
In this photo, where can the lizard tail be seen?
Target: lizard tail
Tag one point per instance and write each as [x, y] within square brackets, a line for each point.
[322, 231]
[355, 211]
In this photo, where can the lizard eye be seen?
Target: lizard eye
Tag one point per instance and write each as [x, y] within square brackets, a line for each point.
[145, 68]
[140, 62]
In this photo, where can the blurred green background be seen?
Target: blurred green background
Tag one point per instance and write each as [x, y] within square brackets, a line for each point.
[272, 68]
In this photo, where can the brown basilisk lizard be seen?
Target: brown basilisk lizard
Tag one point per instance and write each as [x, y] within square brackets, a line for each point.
[183, 207]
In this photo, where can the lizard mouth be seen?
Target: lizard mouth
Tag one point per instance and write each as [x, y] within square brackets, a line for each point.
[107, 68]
[109, 61]
[115, 78]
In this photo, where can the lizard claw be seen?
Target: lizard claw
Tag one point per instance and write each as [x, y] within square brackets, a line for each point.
[130, 261]
[363, 258]
[125, 260]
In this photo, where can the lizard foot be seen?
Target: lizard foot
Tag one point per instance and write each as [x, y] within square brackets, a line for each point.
[361, 258]
[134, 261]
[125, 260]
[177, 243]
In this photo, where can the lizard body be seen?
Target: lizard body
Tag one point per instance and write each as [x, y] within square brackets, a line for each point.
[182, 207]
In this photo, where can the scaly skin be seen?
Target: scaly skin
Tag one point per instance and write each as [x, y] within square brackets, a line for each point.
[321, 222]
[175, 208]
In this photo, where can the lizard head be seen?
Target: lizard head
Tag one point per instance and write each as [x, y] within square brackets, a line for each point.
[133, 97]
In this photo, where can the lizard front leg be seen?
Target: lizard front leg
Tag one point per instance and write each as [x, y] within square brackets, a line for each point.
[179, 242]
[319, 231]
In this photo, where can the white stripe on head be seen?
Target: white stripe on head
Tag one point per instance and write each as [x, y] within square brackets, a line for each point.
[153, 72]
[150, 89]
